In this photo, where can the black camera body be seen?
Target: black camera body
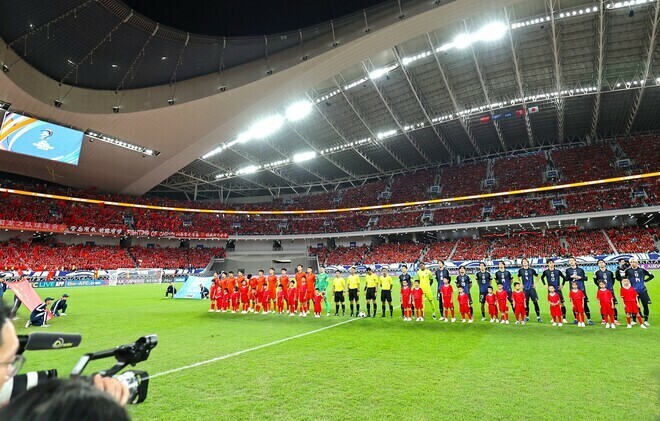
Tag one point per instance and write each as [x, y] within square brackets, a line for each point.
[137, 382]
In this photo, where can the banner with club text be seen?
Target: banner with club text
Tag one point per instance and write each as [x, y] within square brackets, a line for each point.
[146, 233]
[31, 226]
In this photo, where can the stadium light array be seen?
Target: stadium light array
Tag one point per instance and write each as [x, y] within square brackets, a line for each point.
[304, 156]
[264, 128]
[299, 110]
[121, 143]
[250, 169]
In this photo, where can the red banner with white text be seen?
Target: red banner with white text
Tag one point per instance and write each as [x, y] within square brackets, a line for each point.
[31, 226]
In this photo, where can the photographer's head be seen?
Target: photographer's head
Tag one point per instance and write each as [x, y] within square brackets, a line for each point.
[8, 346]
[61, 399]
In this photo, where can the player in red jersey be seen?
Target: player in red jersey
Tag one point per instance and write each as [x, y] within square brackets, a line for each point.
[213, 293]
[303, 299]
[606, 300]
[518, 299]
[418, 301]
[226, 300]
[502, 299]
[447, 293]
[235, 300]
[280, 299]
[491, 300]
[577, 298]
[253, 282]
[284, 280]
[224, 296]
[298, 275]
[231, 281]
[464, 306]
[244, 290]
[317, 299]
[292, 298]
[254, 300]
[555, 306]
[240, 277]
[311, 284]
[264, 298]
[629, 297]
[272, 287]
[406, 303]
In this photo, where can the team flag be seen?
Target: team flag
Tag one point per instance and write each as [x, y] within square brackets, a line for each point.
[485, 119]
[497, 116]
[534, 109]
[520, 113]
[508, 115]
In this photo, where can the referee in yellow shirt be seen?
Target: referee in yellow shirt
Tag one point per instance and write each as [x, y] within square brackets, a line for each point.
[385, 282]
[338, 286]
[370, 286]
[425, 277]
[353, 281]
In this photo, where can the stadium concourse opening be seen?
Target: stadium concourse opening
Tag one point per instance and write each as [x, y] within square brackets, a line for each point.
[337, 195]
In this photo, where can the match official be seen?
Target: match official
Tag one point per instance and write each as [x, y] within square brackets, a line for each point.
[60, 305]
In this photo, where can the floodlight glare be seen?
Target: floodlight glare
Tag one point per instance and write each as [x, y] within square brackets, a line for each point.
[463, 41]
[251, 169]
[304, 156]
[266, 127]
[375, 74]
[492, 32]
[298, 111]
[243, 137]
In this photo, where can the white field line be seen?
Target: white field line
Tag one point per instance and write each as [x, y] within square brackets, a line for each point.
[244, 351]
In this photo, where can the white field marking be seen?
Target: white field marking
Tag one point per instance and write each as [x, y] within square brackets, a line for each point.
[244, 351]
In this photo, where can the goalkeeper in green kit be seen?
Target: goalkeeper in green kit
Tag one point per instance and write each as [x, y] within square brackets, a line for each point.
[322, 286]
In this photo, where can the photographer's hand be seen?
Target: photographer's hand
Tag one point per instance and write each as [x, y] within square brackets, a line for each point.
[113, 388]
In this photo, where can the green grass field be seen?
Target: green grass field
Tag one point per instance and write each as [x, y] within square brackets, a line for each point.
[365, 368]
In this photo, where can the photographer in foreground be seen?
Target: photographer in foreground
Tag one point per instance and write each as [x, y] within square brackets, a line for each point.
[11, 363]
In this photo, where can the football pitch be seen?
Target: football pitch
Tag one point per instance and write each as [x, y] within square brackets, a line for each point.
[232, 366]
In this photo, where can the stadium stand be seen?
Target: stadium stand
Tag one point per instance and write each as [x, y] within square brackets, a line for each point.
[644, 150]
[633, 239]
[519, 172]
[585, 163]
[463, 179]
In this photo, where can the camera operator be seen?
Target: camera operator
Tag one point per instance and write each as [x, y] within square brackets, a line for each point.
[11, 363]
[64, 400]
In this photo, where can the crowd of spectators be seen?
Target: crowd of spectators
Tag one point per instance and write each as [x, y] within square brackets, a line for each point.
[519, 172]
[644, 151]
[463, 180]
[585, 163]
[633, 239]
[411, 187]
[519, 245]
[28, 255]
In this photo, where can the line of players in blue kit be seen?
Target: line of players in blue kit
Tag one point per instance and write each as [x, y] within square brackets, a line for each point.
[630, 275]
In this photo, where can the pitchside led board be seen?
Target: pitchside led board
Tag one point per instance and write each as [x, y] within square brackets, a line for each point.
[41, 139]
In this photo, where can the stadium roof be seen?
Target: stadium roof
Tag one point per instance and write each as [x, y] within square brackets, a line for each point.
[387, 95]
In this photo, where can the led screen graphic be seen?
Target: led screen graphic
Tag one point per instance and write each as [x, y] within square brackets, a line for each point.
[29, 136]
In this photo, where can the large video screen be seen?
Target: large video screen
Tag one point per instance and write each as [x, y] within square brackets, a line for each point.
[29, 136]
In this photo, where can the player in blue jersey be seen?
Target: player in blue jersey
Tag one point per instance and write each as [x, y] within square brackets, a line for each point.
[463, 280]
[608, 277]
[552, 276]
[503, 277]
[440, 274]
[484, 280]
[528, 276]
[638, 277]
[577, 275]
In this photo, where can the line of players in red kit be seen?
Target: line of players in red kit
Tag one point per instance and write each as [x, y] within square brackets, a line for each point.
[265, 294]
[498, 301]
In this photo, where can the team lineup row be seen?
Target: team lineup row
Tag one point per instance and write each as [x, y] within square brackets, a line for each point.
[284, 295]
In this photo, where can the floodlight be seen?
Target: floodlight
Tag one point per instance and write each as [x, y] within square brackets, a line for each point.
[243, 137]
[298, 111]
[304, 156]
[375, 74]
[492, 31]
[266, 127]
[463, 41]
[251, 169]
